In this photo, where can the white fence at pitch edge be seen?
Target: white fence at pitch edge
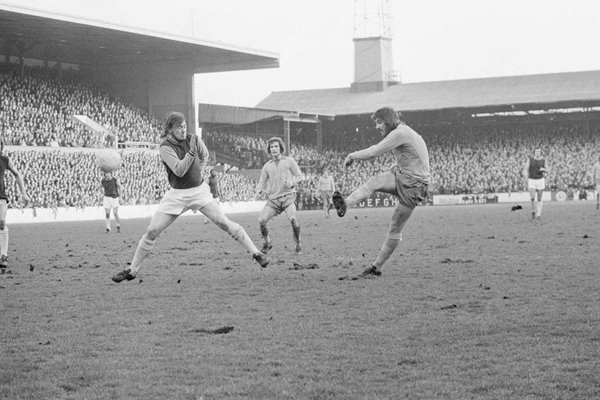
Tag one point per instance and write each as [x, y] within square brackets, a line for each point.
[65, 214]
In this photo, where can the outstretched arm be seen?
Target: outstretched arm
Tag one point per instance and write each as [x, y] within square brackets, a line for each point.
[390, 142]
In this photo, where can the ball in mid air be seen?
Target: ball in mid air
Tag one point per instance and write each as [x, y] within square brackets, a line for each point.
[108, 160]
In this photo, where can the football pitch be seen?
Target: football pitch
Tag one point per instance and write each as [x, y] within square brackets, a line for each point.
[477, 302]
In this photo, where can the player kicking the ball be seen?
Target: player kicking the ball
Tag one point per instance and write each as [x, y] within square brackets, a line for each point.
[408, 179]
[184, 156]
[278, 180]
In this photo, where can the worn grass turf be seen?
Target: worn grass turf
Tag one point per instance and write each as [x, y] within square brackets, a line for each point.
[478, 302]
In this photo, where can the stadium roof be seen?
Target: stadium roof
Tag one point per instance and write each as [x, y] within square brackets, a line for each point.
[235, 115]
[526, 91]
[46, 36]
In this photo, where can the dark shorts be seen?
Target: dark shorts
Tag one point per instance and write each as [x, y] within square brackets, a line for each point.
[281, 203]
[410, 191]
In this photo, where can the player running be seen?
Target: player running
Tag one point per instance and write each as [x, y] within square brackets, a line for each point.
[110, 188]
[535, 171]
[184, 156]
[6, 164]
[278, 180]
[408, 179]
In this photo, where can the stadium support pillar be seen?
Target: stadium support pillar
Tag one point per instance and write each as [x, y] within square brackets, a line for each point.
[286, 135]
[319, 137]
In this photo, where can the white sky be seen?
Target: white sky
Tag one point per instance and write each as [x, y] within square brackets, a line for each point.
[433, 39]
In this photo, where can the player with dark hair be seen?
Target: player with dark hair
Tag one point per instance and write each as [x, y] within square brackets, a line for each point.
[408, 179]
[278, 180]
[6, 164]
[535, 171]
[184, 156]
[110, 189]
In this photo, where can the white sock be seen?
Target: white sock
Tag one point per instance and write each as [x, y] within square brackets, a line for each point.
[360, 194]
[143, 249]
[239, 234]
[4, 241]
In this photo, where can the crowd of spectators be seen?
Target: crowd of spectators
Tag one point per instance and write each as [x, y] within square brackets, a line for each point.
[60, 178]
[251, 152]
[37, 109]
[488, 159]
[480, 159]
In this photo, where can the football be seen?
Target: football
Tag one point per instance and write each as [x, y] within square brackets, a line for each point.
[108, 160]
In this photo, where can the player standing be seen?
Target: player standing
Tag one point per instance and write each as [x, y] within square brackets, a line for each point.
[596, 177]
[6, 164]
[278, 180]
[326, 186]
[111, 189]
[184, 156]
[535, 171]
[408, 179]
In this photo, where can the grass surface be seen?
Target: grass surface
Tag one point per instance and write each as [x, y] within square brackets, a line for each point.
[478, 302]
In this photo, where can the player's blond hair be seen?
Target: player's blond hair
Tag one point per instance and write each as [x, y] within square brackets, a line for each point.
[278, 140]
[174, 118]
[388, 115]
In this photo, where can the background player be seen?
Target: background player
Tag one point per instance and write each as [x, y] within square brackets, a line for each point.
[596, 177]
[326, 186]
[408, 179]
[535, 171]
[184, 156]
[111, 189]
[6, 164]
[278, 180]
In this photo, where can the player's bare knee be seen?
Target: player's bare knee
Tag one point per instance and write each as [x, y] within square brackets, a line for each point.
[152, 234]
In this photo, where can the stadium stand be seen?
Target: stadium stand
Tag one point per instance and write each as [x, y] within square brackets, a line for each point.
[36, 120]
[36, 108]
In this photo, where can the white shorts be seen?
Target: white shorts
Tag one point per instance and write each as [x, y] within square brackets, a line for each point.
[178, 201]
[536, 184]
[110, 202]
